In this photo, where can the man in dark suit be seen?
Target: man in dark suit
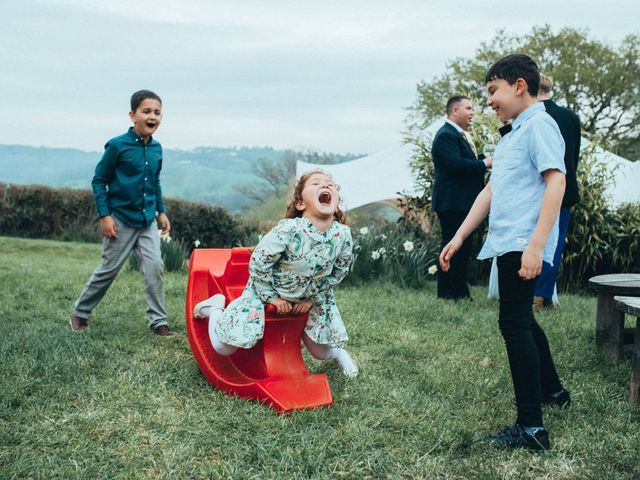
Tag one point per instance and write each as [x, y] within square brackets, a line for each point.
[459, 177]
[569, 125]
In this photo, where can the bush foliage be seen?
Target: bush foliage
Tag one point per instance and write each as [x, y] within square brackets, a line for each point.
[35, 211]
[396, 253]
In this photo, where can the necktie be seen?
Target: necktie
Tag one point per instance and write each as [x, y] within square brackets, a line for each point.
[467, 137]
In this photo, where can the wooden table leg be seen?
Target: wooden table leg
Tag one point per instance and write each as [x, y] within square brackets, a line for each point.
[634, 386]
[609, 326]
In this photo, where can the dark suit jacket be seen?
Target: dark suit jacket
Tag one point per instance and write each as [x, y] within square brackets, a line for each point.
[459, 174]
[569, 125]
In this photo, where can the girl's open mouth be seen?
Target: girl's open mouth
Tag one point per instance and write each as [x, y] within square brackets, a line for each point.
[325, 198]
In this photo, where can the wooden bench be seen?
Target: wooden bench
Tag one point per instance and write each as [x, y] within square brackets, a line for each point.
[610, 333]
[631, 306]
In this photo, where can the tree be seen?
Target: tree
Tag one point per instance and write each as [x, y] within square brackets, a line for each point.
[275, 176]
[598, 81]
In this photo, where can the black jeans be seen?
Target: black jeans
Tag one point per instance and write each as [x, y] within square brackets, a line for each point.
[453, 284]
[530, 360]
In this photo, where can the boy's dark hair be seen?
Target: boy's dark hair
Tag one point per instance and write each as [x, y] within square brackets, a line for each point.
[453, 100]
[141, 95]
[513, 67]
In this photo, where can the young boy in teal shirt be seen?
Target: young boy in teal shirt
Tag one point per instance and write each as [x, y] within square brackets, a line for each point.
[524, 197]
[126, 189]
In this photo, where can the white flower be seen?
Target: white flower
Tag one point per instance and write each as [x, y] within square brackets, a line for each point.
[433, 269]
[382, 250]
[196, 243]
[364, 230]
[383, 236]
[375, 254]
[166, 238]
[408, 246]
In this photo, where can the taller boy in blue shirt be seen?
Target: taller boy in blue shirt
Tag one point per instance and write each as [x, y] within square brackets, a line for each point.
[524, 197]
[126, 189]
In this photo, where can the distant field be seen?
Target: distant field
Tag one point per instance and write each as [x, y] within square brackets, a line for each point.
[206, 174]
[120, 402]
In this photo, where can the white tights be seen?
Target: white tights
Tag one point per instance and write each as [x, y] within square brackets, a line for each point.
[319, 351]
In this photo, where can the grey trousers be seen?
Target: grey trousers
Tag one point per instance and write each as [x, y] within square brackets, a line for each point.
[145, 242]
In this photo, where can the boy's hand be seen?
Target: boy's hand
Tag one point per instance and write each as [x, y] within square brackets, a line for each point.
[282, 306]
[488, 161]
[108, 227]
[165, 225]
[531, 263]
[301, 307]
[448, 252]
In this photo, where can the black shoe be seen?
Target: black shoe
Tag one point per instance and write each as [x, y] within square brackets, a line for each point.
[164, 331]
[560, 399]
[517, 437]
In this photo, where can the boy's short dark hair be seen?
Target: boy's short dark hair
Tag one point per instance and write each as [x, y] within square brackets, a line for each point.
[141, 95]
[453, 100]
[513, 67]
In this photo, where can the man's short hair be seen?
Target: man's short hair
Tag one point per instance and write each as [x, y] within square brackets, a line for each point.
[513, 67]
[546, 84]
[453, 101]
[141, 95]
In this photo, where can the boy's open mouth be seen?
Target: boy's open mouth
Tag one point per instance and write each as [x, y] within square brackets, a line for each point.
[325, 198]
[150, 124]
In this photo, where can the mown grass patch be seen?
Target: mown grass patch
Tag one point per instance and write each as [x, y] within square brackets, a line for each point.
[120, 402]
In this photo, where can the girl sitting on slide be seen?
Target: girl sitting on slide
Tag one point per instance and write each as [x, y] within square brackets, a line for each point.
[294, 267]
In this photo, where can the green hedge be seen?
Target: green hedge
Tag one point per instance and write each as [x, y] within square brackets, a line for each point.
[36, 211]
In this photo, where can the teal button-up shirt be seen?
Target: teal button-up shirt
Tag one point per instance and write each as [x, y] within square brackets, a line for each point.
[126, 183]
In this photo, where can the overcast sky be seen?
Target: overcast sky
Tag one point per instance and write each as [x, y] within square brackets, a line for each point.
[328, 75]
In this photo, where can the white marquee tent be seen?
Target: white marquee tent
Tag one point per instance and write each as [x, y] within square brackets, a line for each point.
[387, 175]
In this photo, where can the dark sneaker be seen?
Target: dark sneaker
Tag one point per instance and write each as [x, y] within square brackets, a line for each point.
[517, 437]
[164, 331]
[560, 399]
[78, 325]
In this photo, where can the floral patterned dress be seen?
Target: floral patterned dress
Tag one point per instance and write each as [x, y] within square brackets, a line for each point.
[294, 261]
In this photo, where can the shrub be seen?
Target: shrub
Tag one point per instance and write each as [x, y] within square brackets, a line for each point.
[36, 211]
[399, 253]
[42, 212]
[601, 239]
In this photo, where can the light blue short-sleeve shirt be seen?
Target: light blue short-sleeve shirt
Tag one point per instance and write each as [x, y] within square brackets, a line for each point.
[533, 146]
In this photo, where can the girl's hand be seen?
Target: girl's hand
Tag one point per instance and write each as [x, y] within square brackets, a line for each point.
[448, 252]
[301, 307]
[282, 306]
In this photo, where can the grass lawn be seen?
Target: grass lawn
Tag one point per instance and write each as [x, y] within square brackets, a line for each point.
[120, 402]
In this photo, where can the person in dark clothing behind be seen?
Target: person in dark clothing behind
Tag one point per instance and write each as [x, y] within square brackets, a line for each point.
[459, 178]
[569, 125]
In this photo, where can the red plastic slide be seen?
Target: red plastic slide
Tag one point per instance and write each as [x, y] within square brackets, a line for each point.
[273, 371]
